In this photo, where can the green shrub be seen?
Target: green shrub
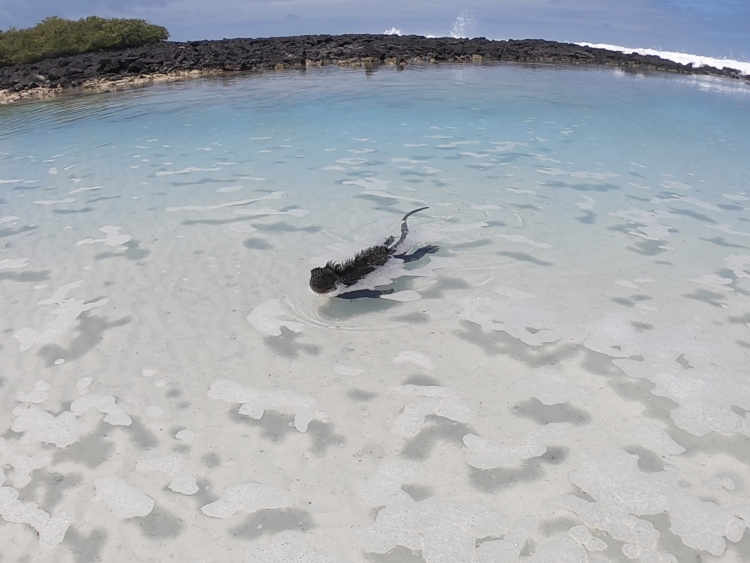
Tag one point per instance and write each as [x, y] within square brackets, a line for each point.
[58, 37]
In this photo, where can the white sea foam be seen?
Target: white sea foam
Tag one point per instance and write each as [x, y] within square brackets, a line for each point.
[432, 231]
[513, 293]
[484, 453]
[187, 171]
[123, 500]
[436, 400]
[50, 529]
[40, 426]
[551, 387]
[618, 502]
[675, 185]
[249, 498]
[105, 404]
[681, 58]
[389, 195]
[348, 371]
[113, 238]
[291, 547]
[256, 401]
[181, 481]
[697, 202]
[463, 26]
[185, 436]
[650, 227]
[272, 195]
[526, 322]
[82, 385]
[385, 486]
[268, 211]
[241, 228]
[404, 296]
[38, 395]
[79, 190]
[731, 197]
[714, 282]
[66, 313]
[651, 436]
[268, 318]
[416, 358]
[445, 531]
[524, 240]
[11, 263]
[21, 461]
[435, 263]
[53, 201]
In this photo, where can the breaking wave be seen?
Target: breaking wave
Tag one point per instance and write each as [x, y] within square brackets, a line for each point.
[682, 58]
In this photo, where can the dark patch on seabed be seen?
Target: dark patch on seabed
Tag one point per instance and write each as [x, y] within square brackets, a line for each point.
[273, 521]
[85, 547]
[276, 427]
[257, 244]
[721, 241]
[499, 343]
[361, 395]
[91, 330]
[73, 211]
[493, 480]
[524, 257]
[422, 380]
[9, 232]
[26, 276]
[535, 410]
[693, 215]
[707, 296]
[160, 523]
[436, 429]
[288, 345]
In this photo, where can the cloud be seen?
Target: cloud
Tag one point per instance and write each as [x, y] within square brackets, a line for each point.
[710, 9]
[712, 27]
[26, 14]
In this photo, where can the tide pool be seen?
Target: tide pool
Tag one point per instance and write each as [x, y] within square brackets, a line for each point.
[565, 380]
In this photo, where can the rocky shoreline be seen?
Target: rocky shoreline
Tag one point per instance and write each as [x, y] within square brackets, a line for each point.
[109, 70]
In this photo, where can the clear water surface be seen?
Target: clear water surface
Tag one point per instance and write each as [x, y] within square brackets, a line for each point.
[565, 380]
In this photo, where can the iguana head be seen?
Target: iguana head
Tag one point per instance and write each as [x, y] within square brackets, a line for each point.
[323, 280]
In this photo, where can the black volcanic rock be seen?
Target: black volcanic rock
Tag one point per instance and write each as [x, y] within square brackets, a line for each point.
[231, 55]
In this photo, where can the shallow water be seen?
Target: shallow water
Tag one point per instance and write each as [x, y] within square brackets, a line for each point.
[566, 379]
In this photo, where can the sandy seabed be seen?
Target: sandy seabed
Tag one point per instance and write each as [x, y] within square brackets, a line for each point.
[564, 381]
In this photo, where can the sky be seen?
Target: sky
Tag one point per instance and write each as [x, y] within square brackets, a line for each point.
[716, 28]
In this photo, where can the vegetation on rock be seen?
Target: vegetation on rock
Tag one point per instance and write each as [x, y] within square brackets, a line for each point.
[57, 37]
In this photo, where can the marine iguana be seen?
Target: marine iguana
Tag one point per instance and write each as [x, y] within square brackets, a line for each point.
[349, 272]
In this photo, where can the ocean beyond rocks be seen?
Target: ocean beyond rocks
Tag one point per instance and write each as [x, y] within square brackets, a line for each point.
[109, 70]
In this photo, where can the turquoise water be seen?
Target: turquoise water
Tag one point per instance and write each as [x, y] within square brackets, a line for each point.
[566, 377]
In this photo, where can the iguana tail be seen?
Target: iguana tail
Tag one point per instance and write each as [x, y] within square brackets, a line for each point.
[404, 228]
